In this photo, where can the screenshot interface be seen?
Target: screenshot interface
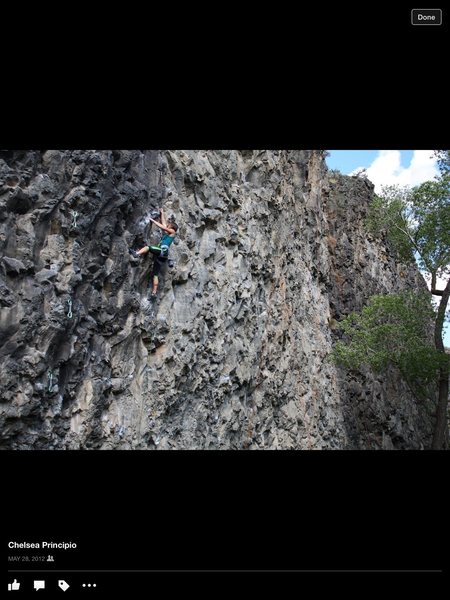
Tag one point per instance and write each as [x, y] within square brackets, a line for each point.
[224, 302]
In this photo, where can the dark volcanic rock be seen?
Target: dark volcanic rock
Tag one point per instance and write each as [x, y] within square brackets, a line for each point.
[234, 351]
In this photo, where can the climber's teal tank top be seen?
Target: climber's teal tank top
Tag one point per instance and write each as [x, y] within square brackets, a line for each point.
[166, 240]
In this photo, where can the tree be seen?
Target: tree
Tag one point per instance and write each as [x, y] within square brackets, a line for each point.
[417, 223]
[443, 157]
[392, 329]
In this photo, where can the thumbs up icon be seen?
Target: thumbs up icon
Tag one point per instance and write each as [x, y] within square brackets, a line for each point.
[13, 586]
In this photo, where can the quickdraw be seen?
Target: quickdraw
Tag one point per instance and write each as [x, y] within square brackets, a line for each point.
[50, 381]
[74, 218]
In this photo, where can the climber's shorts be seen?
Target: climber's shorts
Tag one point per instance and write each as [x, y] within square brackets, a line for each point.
[158, 261]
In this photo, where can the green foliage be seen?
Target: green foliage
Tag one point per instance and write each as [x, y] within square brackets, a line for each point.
[390, 214]
[431, 202]
[396, 329]
[443, 157]
[392, 330]
[417, 222]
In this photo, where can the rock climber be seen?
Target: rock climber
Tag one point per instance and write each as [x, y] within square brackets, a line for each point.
[161, 251]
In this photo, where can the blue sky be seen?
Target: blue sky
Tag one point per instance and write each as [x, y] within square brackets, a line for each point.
[386, 167]
[347, 161]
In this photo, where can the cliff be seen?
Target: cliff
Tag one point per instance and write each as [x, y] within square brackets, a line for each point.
[271, 250]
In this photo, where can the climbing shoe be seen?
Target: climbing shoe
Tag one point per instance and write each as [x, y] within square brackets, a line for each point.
[133, 252]
[171, 263]
[152, 297]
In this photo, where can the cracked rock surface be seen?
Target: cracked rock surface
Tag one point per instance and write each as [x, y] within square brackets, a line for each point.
[270, 251]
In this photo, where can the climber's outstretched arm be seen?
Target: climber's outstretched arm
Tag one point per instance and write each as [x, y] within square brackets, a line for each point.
[163, 227]
[163, 217]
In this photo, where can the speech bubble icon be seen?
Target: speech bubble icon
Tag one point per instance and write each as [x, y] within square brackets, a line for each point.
[39, 584]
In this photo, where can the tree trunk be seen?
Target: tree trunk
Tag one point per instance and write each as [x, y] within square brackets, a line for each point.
[440, 434]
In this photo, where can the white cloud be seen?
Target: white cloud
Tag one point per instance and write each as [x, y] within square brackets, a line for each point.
[386, 169]
[441, 282]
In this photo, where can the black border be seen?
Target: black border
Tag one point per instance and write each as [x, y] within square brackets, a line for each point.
[232, 510]
[322, 77]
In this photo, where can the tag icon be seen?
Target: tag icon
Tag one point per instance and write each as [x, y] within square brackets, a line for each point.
[63, 585]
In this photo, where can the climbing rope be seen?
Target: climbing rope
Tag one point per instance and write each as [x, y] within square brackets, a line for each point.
[69, 302]
[50, 381]
[74, 218]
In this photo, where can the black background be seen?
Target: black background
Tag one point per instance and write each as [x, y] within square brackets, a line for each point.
[231, 510]
[313, 78]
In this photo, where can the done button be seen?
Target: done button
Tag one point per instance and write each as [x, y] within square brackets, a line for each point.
[426, 16]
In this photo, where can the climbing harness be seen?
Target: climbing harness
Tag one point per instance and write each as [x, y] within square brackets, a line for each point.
[164, 250]
[69, 314]
[50, 381]
[74, 218]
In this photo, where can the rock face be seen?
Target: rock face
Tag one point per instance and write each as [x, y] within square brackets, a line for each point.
[271, 250]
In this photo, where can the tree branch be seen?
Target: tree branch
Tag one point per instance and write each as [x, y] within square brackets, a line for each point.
[413, 242]
[440, 318]
[433, 285]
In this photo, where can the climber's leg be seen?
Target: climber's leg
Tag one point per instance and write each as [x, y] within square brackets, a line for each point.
[137, 253]
[155, 273]
[155, 285]
[158, 262]
[153, 249]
